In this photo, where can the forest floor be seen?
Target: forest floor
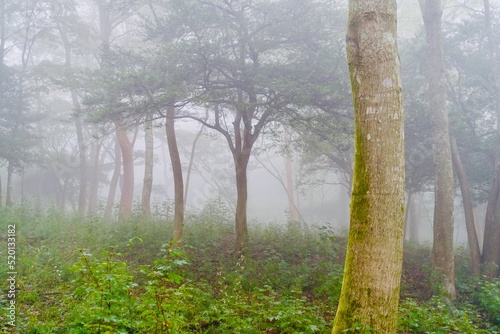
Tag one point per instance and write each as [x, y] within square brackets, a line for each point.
[84, 275]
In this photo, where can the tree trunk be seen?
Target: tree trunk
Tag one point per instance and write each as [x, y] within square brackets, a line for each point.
[370, 290]
[294, 216]
[82, 195]
[178, 181]
[241, 163]
[94, 186]
[407, 211]
[127, 193]
[148, 170]
[470, 225]
[442, 248]
[110, 203]
[8, 195]
[491, 245]
[191, 161]
[413, 220]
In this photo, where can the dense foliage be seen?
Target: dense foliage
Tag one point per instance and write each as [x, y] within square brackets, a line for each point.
[82, 275]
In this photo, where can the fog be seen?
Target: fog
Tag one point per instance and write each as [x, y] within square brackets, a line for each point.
[106, 64]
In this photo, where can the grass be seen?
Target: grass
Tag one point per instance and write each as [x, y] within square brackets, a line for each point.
[83, 275]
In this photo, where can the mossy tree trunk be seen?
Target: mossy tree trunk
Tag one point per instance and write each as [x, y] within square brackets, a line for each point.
[370, 291]
[444, 191]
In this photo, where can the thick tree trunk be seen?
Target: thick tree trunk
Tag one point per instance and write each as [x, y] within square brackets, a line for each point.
[475, 252]
[372, 273]
[148, 170]
[8, 195]
[491, 245]
[175, 159]
[110, 203]
[442, 248]
[127, 193]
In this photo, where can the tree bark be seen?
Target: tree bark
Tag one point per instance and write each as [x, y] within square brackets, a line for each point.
[372, 274]
[148, 170]
[491, 247]
[442, 247]
[178, 180]
[127, 193]
[475, 252]
[110, 203]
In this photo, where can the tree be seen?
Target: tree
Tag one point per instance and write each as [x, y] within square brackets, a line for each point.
[63, 18]
[178, 179]
[148, 169]
[475, 252]
[247, 61]
[491, 248]
[23, 25]
[444, 192]
[370, 289]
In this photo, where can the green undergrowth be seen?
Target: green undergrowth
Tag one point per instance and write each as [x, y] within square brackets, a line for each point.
[84, 275]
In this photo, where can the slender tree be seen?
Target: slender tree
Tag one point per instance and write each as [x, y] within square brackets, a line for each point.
[178, 180]
[127, 191]
[444, 192]
[148, 169]
[114, 181]
[61, 22]
[475, 252]
[372, 274]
